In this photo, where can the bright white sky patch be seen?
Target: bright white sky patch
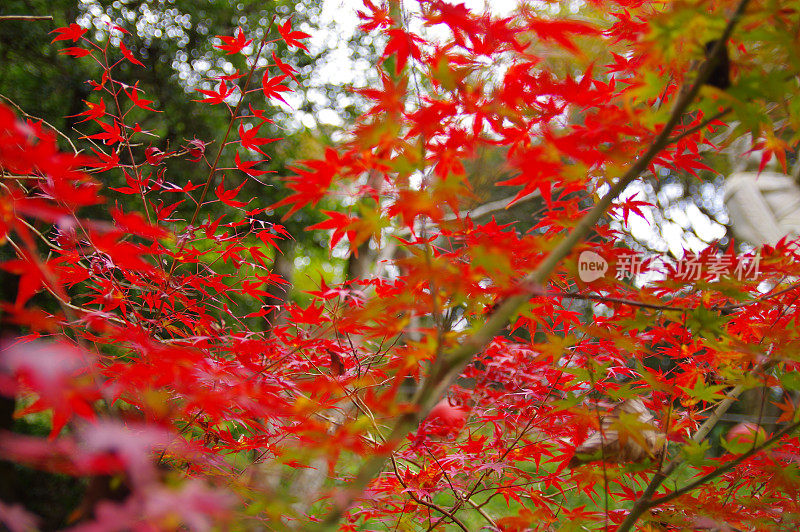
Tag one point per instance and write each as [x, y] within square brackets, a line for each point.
[338, 24]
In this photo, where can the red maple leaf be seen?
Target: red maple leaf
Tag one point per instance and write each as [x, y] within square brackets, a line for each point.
[75, 51]
[337, 221]
[139, 102]
[31, 279]
[247, 167]
[291, 37]
[284, 67]
[57, 373]
[134, 223]
[561, 31]
[260, 114]
[95, 111]
[390, 98]
[218, 96]
[226, 196]
[134, 185]
[378, 18]
[111, 133]
[233, 45]
[129, 55]
[403, 44]
[310, 185]
[73, 32]
[272, 87]
[250, 140]
[632, 205]
[772, 146]
[107, 162]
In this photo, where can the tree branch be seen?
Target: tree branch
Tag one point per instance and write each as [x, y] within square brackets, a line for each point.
[640, 506]
[725, 468]
[701, 125]
[25, 17]
[457, 359]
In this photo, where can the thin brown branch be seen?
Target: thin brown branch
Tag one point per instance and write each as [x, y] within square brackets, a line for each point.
[701, 125]
[725, 468]
[215, 165]
[25, 17]
[619, 300]
[727, 309]
[724, 309]
[432, 506]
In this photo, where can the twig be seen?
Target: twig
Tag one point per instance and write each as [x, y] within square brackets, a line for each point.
[727, 309]
[21, 111]
[724, 309]
[25, 17]
[724, 469]
[701, 125]
[641, 504]
[480, 510]
[214, 166]
[450, 515]
[620, 300]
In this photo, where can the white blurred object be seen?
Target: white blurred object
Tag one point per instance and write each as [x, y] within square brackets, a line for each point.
[762, 207]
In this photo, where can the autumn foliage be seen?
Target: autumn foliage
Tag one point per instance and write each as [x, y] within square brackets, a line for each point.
[554, 402]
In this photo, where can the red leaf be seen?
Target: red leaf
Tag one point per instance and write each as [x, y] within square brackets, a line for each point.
[57, 373]
[272, 87]
[95, 111]
[233, 45]
[134, 223]
[291, 37]
[285, 68]
[403, 44]
[310, 185]
[218, 96]
[122, 255]
[226, 196]
[561, 31]
[75, 51]
[107, 162]
[30, 281]
[111, 133]
[141, 103]
[135, 186]
[73, 32]
[260, 114]
[154, 156]
[633, 205]
[247, 167]
[129, 55]
[378, 18]
[249, 139]
[337, 221]
[196, 149]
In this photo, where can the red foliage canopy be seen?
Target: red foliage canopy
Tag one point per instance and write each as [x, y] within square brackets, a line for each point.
[144, 344]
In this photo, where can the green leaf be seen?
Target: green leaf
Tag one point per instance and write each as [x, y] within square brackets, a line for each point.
[709, 393]
[695, 452]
